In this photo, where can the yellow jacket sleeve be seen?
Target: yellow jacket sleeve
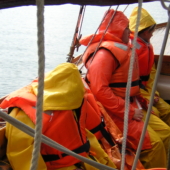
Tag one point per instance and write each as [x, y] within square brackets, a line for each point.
[20, 145]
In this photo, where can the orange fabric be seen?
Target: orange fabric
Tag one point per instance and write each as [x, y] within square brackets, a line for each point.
[64, 121]
[133, 129]
[119, 19]
[22, 97]
[114, 105]
[85, 40]
[91, 114]
[62, 128]
[99, 81]
[116, 134]
[94, 108]
[112, 128]
[145, 54]
[122, 53]
[114, 33]
[100, 74]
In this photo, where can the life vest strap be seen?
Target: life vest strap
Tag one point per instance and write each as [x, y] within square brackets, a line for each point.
[81, 149]
[144, 78]
[142, 86]
[119, 85]
[105, 134]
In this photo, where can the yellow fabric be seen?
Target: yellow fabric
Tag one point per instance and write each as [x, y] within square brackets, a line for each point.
[145, 21]
[99, 154]
[164, 110]
[161, 109]
[159, 135]
[20, 145]
[156, 156]
[73, 167]
[63, 88]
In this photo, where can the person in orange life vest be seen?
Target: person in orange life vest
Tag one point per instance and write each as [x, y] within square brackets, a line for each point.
[147, 68]
[107, 78]
[61, 123]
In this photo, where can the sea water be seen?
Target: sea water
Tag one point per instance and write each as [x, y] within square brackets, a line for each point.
[18, 38]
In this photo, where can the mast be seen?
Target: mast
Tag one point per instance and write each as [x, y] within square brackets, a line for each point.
[77, 36]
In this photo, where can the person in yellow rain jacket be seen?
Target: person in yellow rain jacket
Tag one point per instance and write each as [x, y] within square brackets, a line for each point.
[107, 78]
[63, 94]
[147, 68]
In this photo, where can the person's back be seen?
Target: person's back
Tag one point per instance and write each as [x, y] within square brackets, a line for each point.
[107, 78]
[61, 123]
[147, 68]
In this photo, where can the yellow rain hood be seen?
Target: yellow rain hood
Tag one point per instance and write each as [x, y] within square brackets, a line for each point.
[145, 21]
[63, 88]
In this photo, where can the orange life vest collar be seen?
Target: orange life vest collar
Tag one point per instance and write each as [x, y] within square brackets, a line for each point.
[145, 54]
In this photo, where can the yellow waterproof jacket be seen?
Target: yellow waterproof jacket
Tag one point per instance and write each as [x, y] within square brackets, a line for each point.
[20, 149]
[51, 89]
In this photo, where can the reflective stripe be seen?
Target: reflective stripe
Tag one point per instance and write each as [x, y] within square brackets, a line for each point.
[117, 85]
[121, 46]
[81, 149]
[138, 45]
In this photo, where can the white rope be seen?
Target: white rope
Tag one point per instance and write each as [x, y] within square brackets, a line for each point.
[23, 127]
[41, 63]
[127, 97]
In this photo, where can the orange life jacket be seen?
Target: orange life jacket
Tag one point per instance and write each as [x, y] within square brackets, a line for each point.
[60, 126]
[121, 52]
[93, 116]
[63, 122]
[94, 111]
[119, 79]
[145, 54]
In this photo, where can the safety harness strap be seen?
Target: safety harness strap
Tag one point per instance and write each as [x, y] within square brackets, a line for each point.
[119, 85]
[105, 134]
[144, 78]
[81, 149]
